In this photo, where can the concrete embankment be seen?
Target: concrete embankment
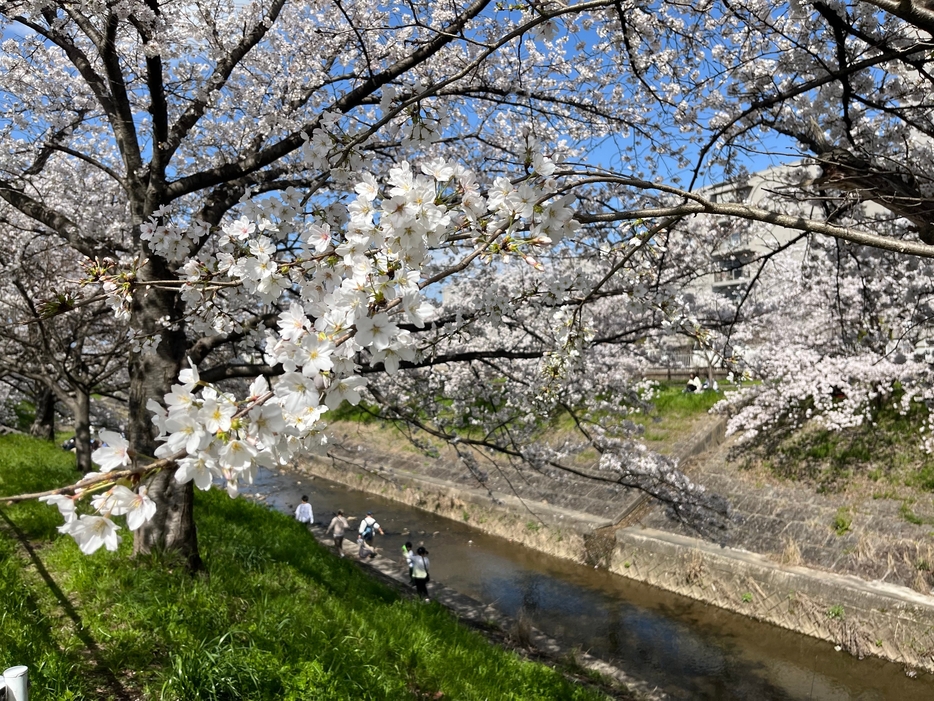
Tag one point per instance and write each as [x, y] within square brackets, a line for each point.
[862, 617]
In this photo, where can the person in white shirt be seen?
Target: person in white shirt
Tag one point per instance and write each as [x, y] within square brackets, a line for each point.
[420, 574]
[304, 514]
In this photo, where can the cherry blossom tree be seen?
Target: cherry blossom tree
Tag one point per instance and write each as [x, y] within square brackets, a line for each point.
[64, 359]
[171, 113]
[281, 192]
[851, 339]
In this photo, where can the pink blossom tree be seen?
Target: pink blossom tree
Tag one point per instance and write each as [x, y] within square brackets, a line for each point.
[282, 191]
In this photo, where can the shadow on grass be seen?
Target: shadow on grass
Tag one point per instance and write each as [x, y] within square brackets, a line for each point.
[109, 678]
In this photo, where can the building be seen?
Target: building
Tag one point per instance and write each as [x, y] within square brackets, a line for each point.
[739, 248]
[733, 260]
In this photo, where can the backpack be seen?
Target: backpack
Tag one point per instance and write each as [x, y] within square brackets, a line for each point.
[368, 531]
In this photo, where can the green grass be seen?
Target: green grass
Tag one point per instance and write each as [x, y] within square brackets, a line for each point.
[674, 412]
[275, 616]
[842, 521]
[906, 512]
[360, 413]
[887, 451]
[673, 402]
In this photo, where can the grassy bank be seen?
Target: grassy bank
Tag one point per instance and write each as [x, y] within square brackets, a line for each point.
[675, 413]
[275, 616]
[884, 457]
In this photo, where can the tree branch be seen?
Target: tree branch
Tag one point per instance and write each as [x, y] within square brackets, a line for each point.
[56, 221]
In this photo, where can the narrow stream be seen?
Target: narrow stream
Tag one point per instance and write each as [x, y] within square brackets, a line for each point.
[689, 649]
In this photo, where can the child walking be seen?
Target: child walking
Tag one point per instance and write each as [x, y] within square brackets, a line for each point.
[408, 551]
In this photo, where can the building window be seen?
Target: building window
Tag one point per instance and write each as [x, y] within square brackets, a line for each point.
[737, 195]
[730, 270]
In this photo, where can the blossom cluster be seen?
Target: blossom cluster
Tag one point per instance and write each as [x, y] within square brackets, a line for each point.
[835, 392]
[354, 284]
[93, 531]
[214, 436]
[348, 283]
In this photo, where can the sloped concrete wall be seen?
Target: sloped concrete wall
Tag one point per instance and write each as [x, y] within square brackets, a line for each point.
[864, 618]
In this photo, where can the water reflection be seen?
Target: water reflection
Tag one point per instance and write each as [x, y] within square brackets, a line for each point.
[691, 650]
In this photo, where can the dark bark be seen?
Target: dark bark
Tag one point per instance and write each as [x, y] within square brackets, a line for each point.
[897, 191]
[82, 411]
[920, 13]
[43, 426]
[172, 529]
[152, 374]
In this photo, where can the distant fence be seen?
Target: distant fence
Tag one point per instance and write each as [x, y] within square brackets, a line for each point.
[14, 685]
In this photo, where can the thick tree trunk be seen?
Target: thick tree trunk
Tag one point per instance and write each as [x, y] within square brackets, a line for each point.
[172, 529]
[43, 426]
[82, 411]
[152, 373]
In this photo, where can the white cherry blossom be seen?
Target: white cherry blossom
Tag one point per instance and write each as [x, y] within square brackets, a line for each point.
[217, 413]
[65, 504]
[197, 469]
[376, 331]
[345, 389]
[114, 453]
[92, 532]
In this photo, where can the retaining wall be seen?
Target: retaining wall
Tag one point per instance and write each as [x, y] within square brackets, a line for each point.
[864, 618]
